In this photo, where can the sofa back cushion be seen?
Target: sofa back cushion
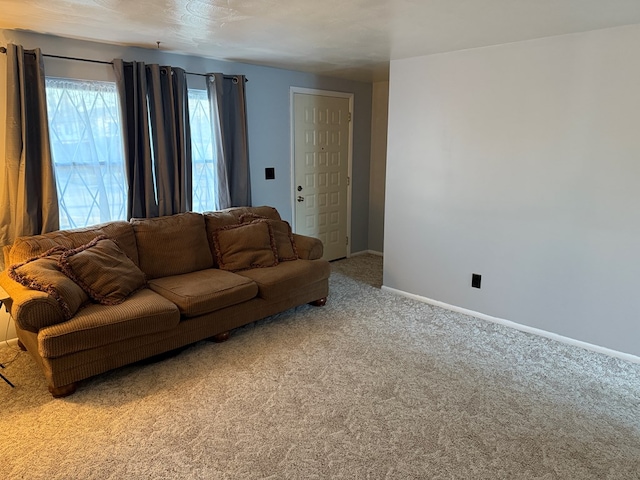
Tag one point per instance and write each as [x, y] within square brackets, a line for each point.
[263, 211]
[172, 245]
[120, 232]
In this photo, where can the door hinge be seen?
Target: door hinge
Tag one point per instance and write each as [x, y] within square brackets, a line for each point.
[347, 241]
[349, 117]
[348, 181]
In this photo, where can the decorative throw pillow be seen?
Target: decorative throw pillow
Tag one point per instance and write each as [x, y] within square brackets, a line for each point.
[244, 246]
[285, 245]
[43, 273]
[103, 271]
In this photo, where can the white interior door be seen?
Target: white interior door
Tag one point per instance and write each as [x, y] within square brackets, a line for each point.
[321, 146]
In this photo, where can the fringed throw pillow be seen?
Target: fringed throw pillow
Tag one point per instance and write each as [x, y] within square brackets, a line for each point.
[43, 273]
[285, 245]
[103, 271]
[245, 246]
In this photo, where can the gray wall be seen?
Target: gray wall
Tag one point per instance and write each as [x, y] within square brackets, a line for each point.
[521, 162]
[380, 109]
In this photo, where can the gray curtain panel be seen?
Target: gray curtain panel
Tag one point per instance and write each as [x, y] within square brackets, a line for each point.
[171, 137]
[131, 81]
[229, 113]
[29, 196]
[157, 139]
[214, 93]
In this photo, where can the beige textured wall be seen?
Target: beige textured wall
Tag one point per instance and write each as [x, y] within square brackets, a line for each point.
[379, 116]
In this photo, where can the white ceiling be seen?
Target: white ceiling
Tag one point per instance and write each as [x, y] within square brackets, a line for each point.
[347, 38]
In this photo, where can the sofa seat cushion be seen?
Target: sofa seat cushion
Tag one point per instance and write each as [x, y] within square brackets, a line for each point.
[143, 313]
[276, 283]
[204, 291]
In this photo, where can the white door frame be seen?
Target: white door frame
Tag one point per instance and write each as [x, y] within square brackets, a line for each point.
[324, 93]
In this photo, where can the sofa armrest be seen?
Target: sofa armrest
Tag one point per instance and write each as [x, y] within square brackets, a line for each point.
[308, 248]
[30, 309]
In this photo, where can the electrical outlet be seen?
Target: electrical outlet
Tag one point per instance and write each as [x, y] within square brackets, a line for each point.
[476, 279]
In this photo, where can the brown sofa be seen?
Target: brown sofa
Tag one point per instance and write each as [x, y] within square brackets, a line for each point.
[86, 308]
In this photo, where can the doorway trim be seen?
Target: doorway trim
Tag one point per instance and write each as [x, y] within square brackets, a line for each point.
[324, 93]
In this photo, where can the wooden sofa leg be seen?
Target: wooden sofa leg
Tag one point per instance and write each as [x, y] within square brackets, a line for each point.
[220, 337]
[21, 346]
[63, 391]
[321, 302]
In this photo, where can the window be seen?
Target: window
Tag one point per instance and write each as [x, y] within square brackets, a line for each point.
[202, 152]
[87, 150]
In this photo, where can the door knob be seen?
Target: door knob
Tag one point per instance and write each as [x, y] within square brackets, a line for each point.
[300, 198]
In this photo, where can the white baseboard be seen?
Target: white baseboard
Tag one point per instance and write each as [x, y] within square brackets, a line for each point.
[365, 252]
[518, 326]
[12, 342]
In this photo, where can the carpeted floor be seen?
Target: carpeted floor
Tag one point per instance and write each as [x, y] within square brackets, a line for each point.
[371, 386]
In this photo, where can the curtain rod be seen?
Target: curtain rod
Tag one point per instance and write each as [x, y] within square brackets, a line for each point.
[104, 62]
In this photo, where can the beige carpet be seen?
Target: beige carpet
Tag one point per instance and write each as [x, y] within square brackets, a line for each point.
[372, 386]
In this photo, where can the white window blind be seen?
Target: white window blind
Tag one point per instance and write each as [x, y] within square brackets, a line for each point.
[202, 151]
[87, 150]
